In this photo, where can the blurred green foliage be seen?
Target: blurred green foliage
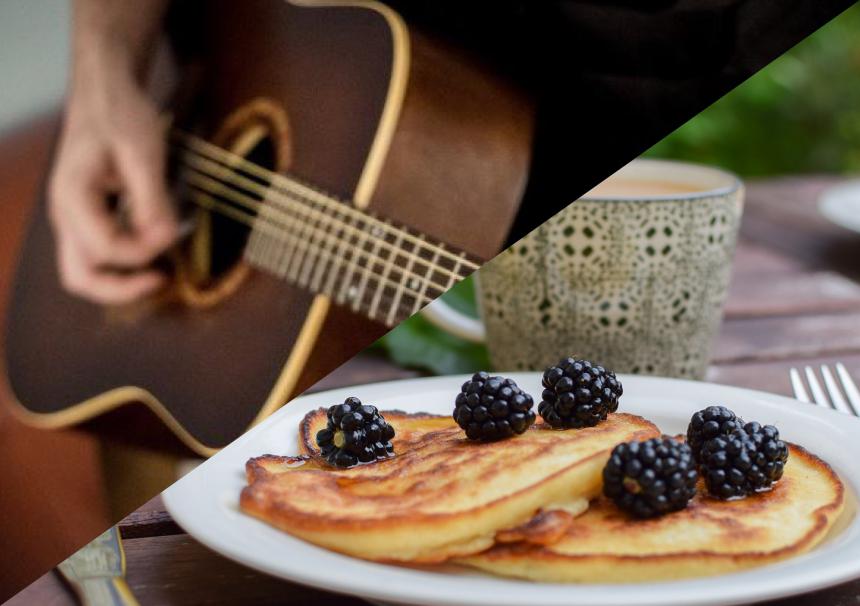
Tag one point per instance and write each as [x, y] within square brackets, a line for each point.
[801, 114]
[416, 343]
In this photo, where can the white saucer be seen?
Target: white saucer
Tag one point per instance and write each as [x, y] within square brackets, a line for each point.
[841, 204]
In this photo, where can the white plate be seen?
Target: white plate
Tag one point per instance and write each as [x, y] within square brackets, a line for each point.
[841, 204]
[205, 504]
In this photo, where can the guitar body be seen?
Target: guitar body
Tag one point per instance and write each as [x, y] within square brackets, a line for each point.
[344, 96]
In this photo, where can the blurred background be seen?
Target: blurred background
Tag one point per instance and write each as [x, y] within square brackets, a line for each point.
[34, 47]
[798, 116]
[38, 465]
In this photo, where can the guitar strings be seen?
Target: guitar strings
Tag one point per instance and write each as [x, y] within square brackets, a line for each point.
[302, 198]
[210, 169]
[213, 188]
[432, 268]
[276, 229]
[292, 186]
[302, 270]
[209, 201]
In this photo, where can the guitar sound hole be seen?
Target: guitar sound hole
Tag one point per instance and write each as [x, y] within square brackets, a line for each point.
[229, 236]
[213, 269]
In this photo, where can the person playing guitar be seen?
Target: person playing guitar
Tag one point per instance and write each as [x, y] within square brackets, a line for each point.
[607, 75]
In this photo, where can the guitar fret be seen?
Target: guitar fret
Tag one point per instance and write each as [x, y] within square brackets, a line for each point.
[374, 252]
[297, 260]
[348, 290]
[257, 241]
[275, 249]
[455, 276]
[422, 294]
[343, 247]
[374, 283]
[327, 265]
[393, 309]
[390, 263]
[358, 289]
[310, 260]
[282, 250]
[386, 302]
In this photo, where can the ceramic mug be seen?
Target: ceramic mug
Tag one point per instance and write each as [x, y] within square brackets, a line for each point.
[632, 276]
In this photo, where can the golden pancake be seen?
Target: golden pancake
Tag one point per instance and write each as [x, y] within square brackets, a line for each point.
[441, 495]
[709, 537]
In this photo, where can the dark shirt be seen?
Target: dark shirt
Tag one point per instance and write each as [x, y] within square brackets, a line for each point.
[612, 77]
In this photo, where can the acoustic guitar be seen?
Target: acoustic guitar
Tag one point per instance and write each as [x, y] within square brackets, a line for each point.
[341, 169]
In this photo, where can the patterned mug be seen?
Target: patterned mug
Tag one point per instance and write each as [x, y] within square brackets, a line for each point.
[632, 276]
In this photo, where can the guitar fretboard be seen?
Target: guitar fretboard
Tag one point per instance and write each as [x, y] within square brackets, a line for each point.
[384, 271]
[381, 270]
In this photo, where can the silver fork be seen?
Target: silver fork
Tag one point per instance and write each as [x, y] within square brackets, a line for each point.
[849, 403]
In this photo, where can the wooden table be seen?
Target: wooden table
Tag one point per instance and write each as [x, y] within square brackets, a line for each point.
[794, 300]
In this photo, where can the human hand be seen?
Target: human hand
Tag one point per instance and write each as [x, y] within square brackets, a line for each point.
[113, 145]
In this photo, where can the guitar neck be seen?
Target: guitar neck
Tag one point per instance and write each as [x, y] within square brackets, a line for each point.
[384, 271]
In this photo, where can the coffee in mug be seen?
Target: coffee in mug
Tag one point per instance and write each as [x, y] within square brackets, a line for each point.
[632, 276]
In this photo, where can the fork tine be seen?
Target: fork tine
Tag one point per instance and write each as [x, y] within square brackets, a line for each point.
[817, 393]
[836, 398]
[797, 385]
[849, 387]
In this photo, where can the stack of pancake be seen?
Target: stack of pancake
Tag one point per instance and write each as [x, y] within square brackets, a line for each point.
[529, 507]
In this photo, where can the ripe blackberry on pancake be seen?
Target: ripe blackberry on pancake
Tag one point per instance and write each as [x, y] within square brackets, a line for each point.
[578, 394]
[650, 478]
[748, 460]
[709, 423]
[492, 408]
[355, 433]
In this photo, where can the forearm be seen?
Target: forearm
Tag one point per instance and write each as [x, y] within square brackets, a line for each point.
[111, 37]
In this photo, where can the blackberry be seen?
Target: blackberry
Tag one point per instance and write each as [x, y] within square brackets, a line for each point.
[650, 478]
[355, 433]
[708, 424]
[748, 460]
[492, 408]
[578, 394]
